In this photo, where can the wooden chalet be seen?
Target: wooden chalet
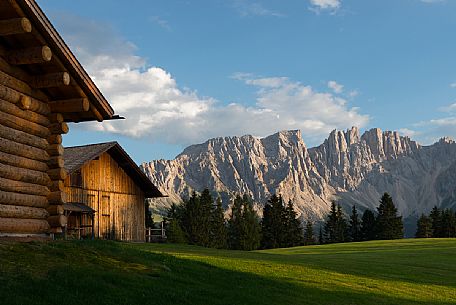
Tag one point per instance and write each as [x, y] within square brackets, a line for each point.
[106, 193]
[42, 86]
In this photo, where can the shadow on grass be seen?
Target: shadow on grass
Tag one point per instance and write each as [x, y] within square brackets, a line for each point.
[114, 273]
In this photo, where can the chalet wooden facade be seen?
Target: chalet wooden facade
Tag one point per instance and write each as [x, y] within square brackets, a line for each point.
[42, 86]
[105, 192]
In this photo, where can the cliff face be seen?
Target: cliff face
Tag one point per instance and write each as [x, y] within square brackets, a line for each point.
[347, 167]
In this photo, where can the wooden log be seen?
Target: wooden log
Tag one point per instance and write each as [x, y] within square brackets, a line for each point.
[59, 128]
[56, 161]
[96, 113]
[57, 197]
[14, 83]
[11, 198]
[15, 225]
[39, 107]
[15, 26]
[57, 185]
[57, 221]
[22, 137]
[57, 174]
[18, 149]
[51, 80]
[54, 150]
[70, 105]
[24, 125]
[55, 139]
[55, 209]
[9, 185]
[29, 115]
[22, 162]
[56, 230]
[56, 118]
[24, 175]
[25, 102]
[35, 55]
[14, 211]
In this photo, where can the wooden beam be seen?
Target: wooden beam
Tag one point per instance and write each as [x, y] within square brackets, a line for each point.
[57, 220]
[59, 128]
[14, 211]
[55, 139]
[57, 185]
[56, 161]
[70, 105]
[11, 198]
[55, 209]
[56, 118]
[17, 161]
[9, 185]
[15, 225]
[24, 175]
[28, 56]
[15, 26]
[51, 80]
[54, 150]
[57, 197]
[12, 109]
[23, 137]
[24, 125]
[57, 174]
[96, 113]
[22, 150]
[25, 102]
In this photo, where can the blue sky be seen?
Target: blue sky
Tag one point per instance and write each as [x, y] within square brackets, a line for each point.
[185, 71]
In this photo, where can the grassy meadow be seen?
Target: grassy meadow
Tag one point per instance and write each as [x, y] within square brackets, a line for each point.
[413, 271]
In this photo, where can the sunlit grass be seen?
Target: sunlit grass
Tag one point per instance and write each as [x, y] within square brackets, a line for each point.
[380, 272]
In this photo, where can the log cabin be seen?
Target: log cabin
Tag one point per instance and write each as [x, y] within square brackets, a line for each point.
[105, 192]
[42, 88]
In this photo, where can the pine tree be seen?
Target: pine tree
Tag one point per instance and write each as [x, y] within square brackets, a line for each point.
[321, 239]
[355, 226]
[293, 232]
[336, 225]
[148, 215]
[309, 238]
[388, 224]
[424, 227]
[272, 223]
[368, 225]
[219, 234]
[235, 223]
[250, 236]
[436, 219]
[448, 223]
[174, 232]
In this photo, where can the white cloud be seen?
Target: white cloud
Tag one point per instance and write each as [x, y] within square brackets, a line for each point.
[337, 88]
[408, 132]
[453, 85]
[432, 1]
[450, 108]
[248, 8]
[325, 5]
[161, 22]
[156, 108]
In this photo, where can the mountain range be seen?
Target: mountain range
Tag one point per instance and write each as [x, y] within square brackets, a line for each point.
[347, 167]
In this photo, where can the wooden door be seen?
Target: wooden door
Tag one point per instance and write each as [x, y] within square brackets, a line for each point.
[105, 216]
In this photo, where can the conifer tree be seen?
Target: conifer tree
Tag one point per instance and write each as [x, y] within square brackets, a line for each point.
[448, 223]
[368, 225]
[293, 232]
[336, 225]
[424, 227]
[355, 226]
[250, 235]
[219, 234]
[235, 223]
[309, 238]
[388, 224]
[321, 240]
[148, 215]
[272, 223]
[436, 219]
[342, 228]
[174, 232]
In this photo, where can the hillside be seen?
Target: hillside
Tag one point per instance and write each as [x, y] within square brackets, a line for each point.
[347, 167]
[96, 272]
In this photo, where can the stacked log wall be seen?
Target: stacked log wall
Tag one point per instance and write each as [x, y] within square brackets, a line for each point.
[117, 200]
[24, 157]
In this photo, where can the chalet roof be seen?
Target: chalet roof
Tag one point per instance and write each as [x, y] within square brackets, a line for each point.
[43, 34]
[75, 157]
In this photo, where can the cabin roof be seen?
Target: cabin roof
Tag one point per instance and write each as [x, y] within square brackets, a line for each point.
[77, 156]
[42, 34]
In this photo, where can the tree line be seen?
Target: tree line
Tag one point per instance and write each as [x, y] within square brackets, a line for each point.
[438, 224]
[200, 220]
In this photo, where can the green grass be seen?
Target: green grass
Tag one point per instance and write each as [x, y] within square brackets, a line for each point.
[413, 271]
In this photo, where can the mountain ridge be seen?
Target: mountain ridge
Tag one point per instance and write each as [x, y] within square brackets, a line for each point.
[350, 168]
